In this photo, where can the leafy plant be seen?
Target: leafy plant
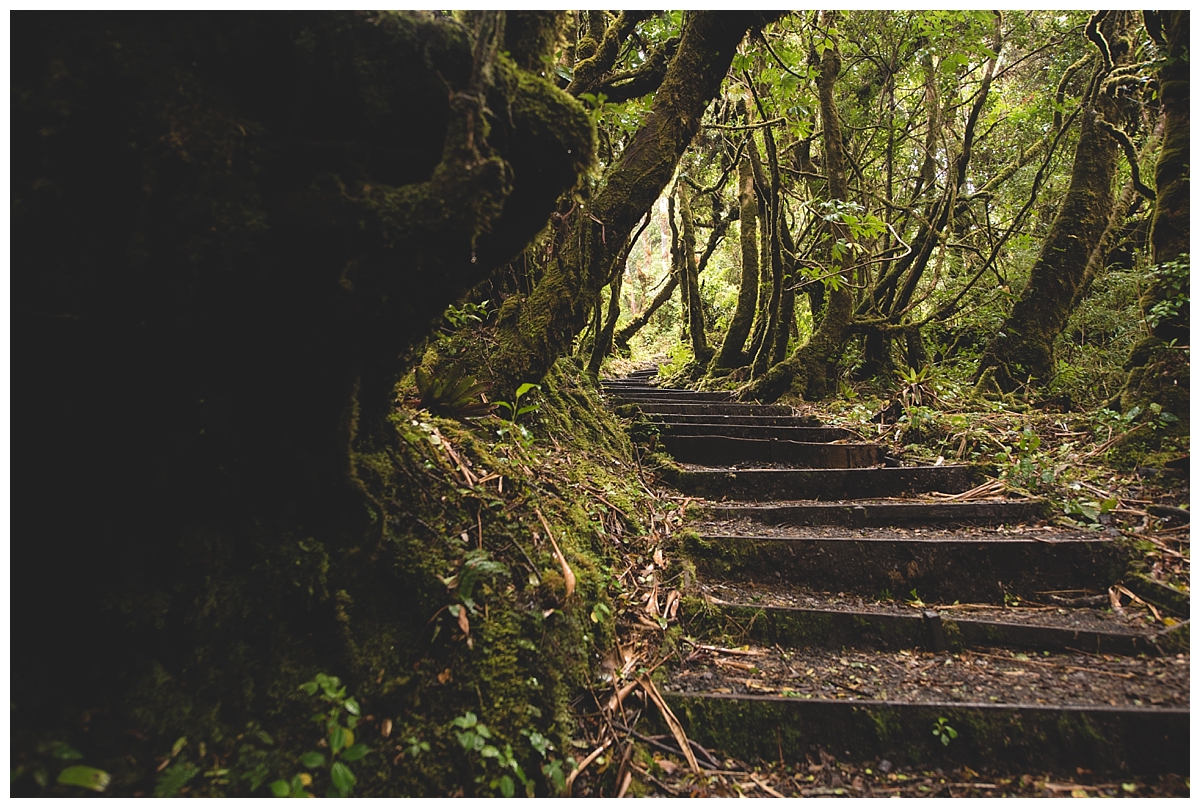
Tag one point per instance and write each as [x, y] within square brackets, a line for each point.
[342, 747]
[75, 775]
[944, 731]
[477, 739]
[515, 408]
[1023, 466]
[453, 395]
[458, 316]
[1172, 278]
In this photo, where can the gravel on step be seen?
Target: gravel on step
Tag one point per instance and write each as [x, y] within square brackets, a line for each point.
[757, 529]
[978, 676]
[1132, 620]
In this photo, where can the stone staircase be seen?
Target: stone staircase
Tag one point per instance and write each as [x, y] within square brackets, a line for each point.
[874, 610]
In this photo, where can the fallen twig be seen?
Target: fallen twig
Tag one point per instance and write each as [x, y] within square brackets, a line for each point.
[570, 781]
[672, 722]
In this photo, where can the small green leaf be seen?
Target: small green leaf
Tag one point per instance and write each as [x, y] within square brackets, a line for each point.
[506, 786]
[356, 752]
[312, 760]
[310, 688]
[64, 751]
[351, 706]
[85, 777]
[178, 746]
[526, 387]
[466, 721]
[489, 752]
[342, 777]
[337, 739]
[280, 788]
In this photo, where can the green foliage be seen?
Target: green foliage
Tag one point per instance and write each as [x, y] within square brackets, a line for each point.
[458, 316]
[50, 755]
[85, 777]
[340, 736]
[1022, 466]
[516, 409]
[943, 731]
[174, 778]
[498, 763]
[1172, 279]
[455, 395]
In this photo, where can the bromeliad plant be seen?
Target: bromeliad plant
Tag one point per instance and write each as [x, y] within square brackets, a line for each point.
[340, 733]
[454, 394]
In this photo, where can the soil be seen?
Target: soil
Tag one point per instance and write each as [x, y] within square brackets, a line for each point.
[982, 676]
[821, 775]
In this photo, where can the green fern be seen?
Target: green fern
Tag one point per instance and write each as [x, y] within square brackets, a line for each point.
[174, 778]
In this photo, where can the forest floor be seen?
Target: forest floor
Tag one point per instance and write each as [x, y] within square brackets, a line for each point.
[1057, 456]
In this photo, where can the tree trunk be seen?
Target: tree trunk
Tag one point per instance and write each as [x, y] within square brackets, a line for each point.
[604, 338]
[1024, 347]
[1159, 372]
[731, 354]
[810, 371]
[534, 332]
[687, 247]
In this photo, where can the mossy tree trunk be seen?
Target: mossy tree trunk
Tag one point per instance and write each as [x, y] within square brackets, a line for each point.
[811, 371]
[268, 215]
[1159, 371]
[762, 307]
[775, 223]
[732, 354]
[687, 254]
[1023, 349]
[536, 331]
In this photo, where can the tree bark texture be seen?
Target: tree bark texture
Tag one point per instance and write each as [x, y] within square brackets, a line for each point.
[811, 371]
[1024, 347]
[732, 354]
[1159, 372]
[536, 331]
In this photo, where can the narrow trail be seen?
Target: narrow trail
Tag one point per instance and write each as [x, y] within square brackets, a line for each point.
[848, 603]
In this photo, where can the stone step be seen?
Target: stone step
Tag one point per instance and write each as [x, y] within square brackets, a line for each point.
[829, 484]
[701, 408]
[804, 434]
[665, 398]
[1101, 738]
[792, 618]
[649, 391]
[973, 566]
[879, 513]
[714, 450]
[720, 420]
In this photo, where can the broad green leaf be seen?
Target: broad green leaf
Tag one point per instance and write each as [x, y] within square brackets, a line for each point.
[310, 688]
[506, 786]
[85, 777]
[356, 752]
[337, 739]
[280, 788]
[351, 706]
[312, 760]
[342, 777]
